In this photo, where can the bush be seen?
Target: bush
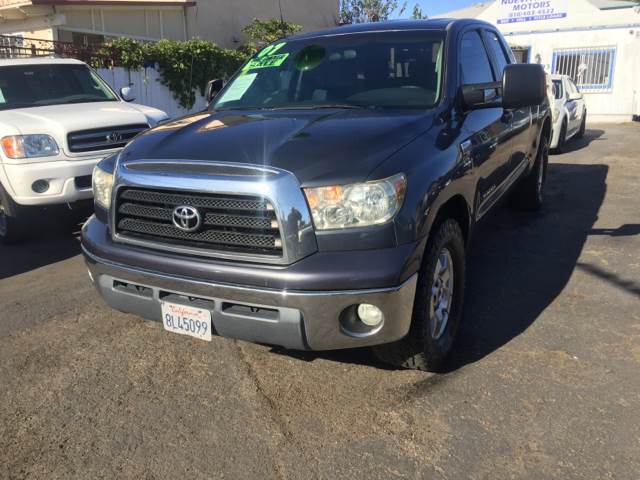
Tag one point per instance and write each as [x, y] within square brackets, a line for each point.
[184, 67]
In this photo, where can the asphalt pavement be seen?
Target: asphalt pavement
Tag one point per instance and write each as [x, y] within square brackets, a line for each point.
[544, 382]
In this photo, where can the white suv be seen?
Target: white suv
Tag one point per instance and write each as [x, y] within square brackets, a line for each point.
[58, 118]
[569, 112]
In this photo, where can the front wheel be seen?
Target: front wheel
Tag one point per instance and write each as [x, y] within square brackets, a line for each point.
[562, 139]
[583, 126]
[12, 226]
[438, 305]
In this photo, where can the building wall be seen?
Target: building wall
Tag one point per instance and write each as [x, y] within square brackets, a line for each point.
[222, 20]
[622, 100]
[151, 23]
[585, 26]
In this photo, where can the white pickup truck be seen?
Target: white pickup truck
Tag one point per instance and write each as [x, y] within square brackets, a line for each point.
[58, 118]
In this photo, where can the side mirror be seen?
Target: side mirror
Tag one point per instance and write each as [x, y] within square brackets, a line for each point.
[575, 96]
[126, 93]
[480, 95]
[523, 85]
[213, 88]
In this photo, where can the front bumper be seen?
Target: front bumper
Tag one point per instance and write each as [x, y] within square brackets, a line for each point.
[304, 320]
[61, 175]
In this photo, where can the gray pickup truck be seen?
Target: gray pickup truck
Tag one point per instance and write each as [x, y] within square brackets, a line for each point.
[327, 196]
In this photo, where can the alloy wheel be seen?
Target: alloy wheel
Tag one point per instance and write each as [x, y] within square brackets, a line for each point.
[441, 294]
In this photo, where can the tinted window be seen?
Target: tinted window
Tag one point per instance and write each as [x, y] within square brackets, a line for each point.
[380, 70]
[474, 63]
[38, 85]
[558, 90]
[498, 52]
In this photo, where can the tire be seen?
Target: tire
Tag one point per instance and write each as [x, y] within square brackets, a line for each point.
[562, 139]
[583, 126]
[429, 340]
[13, 226]
[529, 194]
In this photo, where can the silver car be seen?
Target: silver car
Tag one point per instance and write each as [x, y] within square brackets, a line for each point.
[569, 111]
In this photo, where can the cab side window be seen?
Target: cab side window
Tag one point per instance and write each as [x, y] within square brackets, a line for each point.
[474, 62]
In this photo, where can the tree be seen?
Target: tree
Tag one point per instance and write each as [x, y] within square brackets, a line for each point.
[263, 32]
[362, 11]
[268, 31]
[418, 15]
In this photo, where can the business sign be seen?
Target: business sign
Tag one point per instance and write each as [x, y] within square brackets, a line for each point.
[516, 11]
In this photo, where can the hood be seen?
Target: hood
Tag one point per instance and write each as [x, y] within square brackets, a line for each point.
[58, 120]
[321, 147]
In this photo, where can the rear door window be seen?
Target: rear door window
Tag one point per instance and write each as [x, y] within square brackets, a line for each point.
[500, 56]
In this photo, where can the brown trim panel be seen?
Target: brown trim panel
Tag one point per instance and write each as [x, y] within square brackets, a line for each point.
[119, 3]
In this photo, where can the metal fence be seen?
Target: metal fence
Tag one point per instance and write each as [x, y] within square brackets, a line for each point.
[591, 69]
[16, 46]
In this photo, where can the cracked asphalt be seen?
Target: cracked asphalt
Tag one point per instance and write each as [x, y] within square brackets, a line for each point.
[544, 382]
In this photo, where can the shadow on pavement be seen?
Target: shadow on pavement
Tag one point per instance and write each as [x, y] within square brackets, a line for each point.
[518, 264]
[50, 245]
[575, 144]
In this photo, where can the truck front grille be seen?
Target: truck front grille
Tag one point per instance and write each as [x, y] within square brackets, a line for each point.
[233, 223]
[103, 138]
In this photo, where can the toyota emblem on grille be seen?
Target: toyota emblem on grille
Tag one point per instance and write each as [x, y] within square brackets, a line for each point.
[114, 137]
[186, 218]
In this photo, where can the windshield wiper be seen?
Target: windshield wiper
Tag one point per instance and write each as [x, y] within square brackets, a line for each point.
[344, 106]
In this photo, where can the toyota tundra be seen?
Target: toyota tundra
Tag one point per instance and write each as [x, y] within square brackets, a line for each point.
[326, 198]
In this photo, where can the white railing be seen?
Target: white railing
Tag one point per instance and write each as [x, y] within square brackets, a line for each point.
[148, 90]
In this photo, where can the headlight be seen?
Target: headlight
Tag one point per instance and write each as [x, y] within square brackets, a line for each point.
[357, 205]
[29, 146]
[102, 186]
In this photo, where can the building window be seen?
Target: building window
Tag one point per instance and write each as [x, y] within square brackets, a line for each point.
[590, 68]
[522, 54]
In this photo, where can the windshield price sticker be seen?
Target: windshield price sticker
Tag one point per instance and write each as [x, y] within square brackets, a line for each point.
[268, 61]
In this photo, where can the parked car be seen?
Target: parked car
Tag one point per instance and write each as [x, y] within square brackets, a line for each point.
[58, 118]
[327, 197]
[569, 112]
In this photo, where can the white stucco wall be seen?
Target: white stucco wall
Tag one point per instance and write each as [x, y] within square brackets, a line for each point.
[584, 26]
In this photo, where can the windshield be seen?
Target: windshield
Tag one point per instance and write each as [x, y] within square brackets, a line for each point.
[54, 84]
[395, 69]
[557, 89]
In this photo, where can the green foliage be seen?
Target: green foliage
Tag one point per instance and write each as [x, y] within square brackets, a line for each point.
[187, 66]
[184, 67]
[269, 31]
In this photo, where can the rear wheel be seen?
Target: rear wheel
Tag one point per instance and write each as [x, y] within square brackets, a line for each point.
[438, 305]
[529, 194]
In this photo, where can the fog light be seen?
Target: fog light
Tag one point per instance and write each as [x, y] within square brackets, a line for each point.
[370, 315]
[40, 186]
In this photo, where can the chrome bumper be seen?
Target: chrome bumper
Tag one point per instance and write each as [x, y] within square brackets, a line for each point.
[304, 320]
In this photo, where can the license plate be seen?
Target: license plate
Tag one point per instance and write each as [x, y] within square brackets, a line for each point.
[192, 321]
